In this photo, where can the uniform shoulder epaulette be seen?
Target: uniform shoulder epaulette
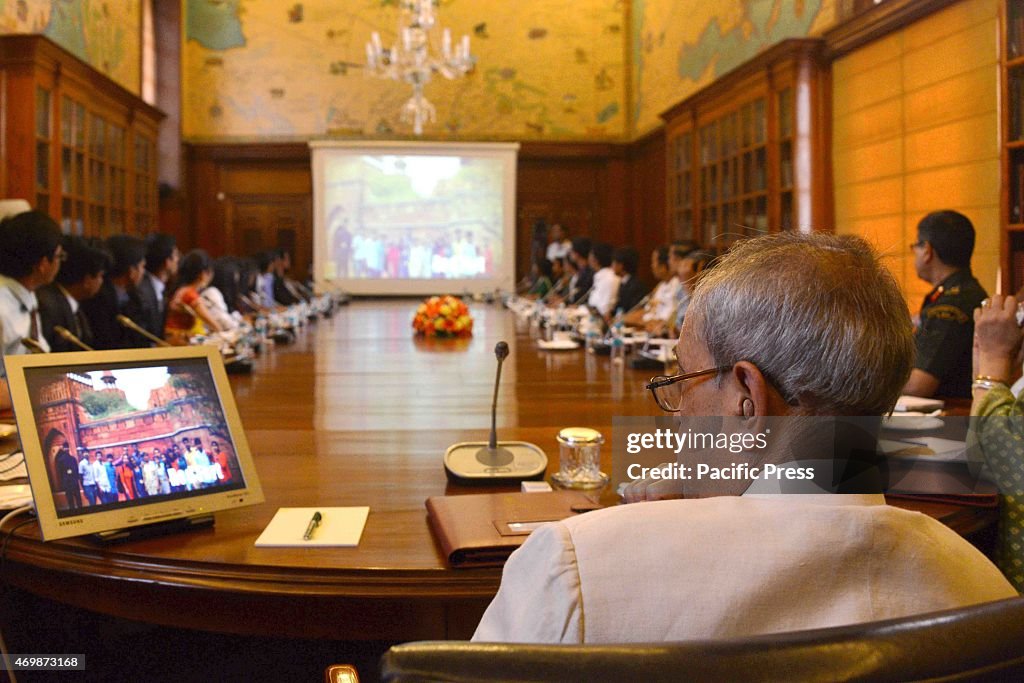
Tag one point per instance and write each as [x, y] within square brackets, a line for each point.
[947, 312]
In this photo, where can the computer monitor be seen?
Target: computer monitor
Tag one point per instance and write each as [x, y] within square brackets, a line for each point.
[120, 439]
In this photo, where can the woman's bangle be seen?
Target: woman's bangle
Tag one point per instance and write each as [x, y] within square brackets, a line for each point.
[987, 382]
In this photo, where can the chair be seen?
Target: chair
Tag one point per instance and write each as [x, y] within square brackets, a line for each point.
[981, 642]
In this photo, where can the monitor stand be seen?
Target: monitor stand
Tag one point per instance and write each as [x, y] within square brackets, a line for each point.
[171, 526]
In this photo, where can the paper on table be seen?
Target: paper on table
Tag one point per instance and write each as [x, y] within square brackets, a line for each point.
[338, 527]
[14, 496]
[12, 466]
[905, 403]
[926, 448]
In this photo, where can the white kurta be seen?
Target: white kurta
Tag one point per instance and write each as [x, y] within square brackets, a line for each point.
[732, 566]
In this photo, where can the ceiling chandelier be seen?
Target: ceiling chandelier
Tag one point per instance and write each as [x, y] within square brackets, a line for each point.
[409, 59]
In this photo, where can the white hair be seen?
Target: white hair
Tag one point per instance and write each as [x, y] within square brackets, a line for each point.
[818, 314]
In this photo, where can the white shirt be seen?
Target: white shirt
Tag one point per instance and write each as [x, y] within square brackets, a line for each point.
[663, 301]
[16, 306]
[558, 250]
[72, 301]
[265, 288]
[605, 292]
[218, 308]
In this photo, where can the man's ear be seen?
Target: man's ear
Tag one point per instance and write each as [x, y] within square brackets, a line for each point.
[753, 398]
[929, 252]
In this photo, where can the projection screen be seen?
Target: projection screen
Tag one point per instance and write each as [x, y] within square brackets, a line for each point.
[414, 218]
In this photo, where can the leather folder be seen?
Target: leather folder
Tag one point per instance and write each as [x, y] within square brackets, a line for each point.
[482, 530]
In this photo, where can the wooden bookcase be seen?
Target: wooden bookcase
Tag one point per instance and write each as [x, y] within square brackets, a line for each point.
[1011, 60]
[749, 153]
[75, 144]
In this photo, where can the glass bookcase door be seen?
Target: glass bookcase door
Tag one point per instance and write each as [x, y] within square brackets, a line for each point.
[43, 133]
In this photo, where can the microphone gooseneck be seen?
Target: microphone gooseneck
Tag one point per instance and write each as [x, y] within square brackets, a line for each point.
[32, 345]
[135, 327]
[70, 336]
[501, 353]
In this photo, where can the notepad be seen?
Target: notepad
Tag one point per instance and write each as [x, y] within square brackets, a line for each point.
[339, 527]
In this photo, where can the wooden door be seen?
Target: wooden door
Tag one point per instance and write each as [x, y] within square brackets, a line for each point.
[261, 222]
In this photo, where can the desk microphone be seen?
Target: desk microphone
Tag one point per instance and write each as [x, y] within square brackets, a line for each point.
[227, 361]
[253, 303]
[135, 327]
[492, 455]
[641, 303]
[69, 336]
[32, 345]
[584, 296]
[475, 462]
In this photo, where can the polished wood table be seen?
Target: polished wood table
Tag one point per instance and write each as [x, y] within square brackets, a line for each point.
[356, 412]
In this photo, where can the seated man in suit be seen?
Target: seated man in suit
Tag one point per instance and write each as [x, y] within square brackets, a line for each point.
[581, 283]
[839, 344]
[162, 257]
[79, 279]
[631, 290]
[119, 296]
[30, 257]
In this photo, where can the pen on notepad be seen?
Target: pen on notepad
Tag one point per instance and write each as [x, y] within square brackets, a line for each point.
[313, 524]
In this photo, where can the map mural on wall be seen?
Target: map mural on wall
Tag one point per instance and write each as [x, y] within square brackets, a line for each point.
[680, 47]
[546, 69]
[103, 33]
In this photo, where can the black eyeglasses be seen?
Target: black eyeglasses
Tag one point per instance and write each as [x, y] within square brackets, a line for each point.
[668, 391]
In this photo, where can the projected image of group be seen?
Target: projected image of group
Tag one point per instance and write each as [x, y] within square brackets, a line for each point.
[129, 436]
[391, 221]
[413, 217]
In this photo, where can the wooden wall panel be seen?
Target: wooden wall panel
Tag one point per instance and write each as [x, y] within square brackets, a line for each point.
[915, 130]
[612, 193]
[645, 204]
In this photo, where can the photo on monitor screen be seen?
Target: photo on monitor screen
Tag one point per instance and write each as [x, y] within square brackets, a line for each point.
[120, 436]
[118, 439]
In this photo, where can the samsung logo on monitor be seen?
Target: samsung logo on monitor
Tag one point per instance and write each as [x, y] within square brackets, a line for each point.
[69, 522]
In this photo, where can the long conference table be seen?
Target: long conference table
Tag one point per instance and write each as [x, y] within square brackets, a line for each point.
[356, 412]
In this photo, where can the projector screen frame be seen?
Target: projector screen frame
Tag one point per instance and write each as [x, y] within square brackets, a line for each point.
[504, 276]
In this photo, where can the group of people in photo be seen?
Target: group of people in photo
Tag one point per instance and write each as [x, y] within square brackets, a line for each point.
[450, 253]
[111, 475]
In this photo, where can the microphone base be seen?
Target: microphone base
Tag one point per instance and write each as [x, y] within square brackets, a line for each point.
[511, 461]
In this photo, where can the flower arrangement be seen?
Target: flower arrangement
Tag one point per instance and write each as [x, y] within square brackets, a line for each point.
[443, 316]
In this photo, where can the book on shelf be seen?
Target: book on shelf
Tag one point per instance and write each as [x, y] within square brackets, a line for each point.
[1017, 193]
[1017, 269]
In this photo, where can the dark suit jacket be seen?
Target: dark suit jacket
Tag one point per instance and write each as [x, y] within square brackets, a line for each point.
[55, 309]
[282, 294]
[584, 281]
[152, 315]
[102, 311]
[630, 293]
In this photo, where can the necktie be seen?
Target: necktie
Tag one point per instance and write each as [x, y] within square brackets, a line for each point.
[82, 331]
[33, 329]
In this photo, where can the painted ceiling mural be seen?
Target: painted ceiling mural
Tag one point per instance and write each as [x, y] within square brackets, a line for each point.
[680, 47]
[270, 69]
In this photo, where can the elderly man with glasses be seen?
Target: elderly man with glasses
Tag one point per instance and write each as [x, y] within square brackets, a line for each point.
[787, 325]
